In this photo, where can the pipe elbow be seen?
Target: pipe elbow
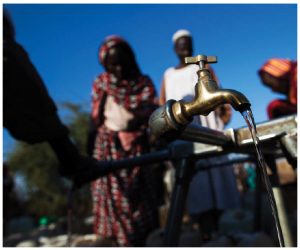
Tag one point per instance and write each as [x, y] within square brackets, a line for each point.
[236, 99]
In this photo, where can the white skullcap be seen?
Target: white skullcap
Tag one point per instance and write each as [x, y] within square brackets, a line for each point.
[180, 33]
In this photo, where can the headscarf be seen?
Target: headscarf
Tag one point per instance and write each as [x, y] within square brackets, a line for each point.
[278, 68]
[108, 43]
[129, 94]
[112, 41]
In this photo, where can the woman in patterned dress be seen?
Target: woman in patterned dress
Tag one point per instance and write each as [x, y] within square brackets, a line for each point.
[124, 202]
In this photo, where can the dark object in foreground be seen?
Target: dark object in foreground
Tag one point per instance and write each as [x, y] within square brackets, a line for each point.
[29, 113]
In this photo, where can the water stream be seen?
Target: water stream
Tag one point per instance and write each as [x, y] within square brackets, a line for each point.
[248, 116]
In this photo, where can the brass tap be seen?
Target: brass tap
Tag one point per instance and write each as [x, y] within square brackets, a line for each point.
[208, 96]
[171, 119]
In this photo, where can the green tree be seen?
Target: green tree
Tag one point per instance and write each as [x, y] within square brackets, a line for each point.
[47, 191]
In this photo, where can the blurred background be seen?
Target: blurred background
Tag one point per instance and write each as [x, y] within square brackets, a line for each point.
[63, 40]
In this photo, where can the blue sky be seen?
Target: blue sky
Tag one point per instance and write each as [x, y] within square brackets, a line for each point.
[63, 39]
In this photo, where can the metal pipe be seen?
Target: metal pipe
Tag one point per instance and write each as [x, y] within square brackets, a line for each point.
[204, 135]
[144, 159]
[266, 130]
[282, 214]
[226, 162]
[184, 173]
[105, 167]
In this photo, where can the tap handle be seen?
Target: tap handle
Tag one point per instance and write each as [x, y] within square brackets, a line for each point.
[201, 60]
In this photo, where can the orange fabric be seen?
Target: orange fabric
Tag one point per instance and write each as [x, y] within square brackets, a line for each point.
[278, 68]
[285, 70]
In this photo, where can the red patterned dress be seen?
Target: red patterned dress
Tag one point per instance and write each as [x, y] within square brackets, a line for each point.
[124, 202]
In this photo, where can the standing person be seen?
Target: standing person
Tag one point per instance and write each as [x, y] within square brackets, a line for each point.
[213, 190]
[125, 207]
[179, 82]
[281, 76]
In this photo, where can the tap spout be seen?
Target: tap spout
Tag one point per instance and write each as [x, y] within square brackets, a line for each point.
[207, 98]
[235, 98]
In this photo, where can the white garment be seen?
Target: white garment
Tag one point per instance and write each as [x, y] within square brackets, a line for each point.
[116, 116]
[214, 188]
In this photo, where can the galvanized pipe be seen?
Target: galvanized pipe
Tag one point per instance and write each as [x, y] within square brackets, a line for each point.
[205, 135]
